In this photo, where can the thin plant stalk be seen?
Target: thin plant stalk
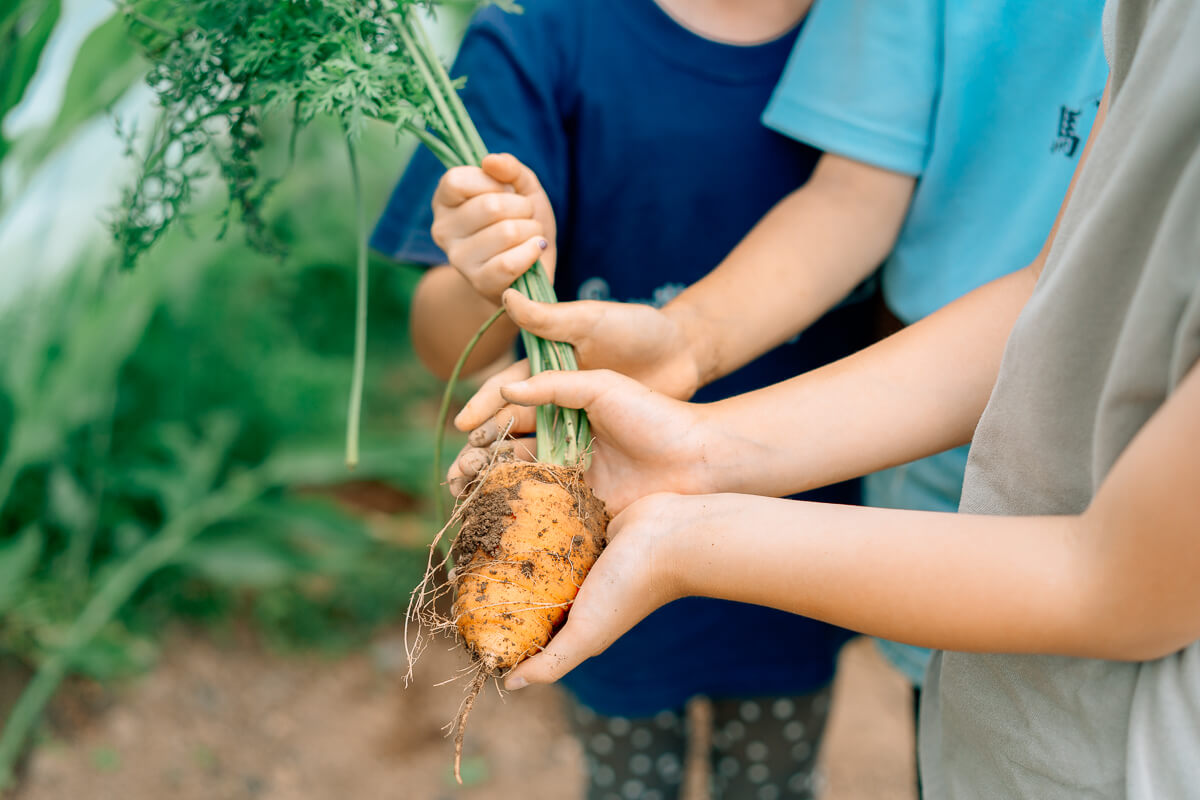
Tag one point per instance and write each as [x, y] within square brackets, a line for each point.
[443, 418]
[564, 433]
[427, 71]
[354, 415]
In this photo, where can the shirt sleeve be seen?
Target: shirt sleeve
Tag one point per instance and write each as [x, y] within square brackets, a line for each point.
[863, 82]
[511, 63]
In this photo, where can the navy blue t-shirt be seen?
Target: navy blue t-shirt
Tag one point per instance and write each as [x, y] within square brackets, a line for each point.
[647, 140]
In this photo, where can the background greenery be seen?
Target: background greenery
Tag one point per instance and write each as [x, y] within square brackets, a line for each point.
[170, 437]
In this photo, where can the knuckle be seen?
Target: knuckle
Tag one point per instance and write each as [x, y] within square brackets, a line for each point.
[438, 231]
[511, 232]
[454, 181]
[492, 205]
[456, 254]
[510, 267]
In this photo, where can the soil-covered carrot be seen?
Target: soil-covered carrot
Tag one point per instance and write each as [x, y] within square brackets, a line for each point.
[527, 542]
[530, 535]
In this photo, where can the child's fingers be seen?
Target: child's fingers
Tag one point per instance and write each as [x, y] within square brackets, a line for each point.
[477, 214]
[569, 647]
[484, 435]
[472, 459]
[466, 466]
[525, 449]
[498, 272]
[523, 420]
[464, 469]
[473, 252]
[484, 404]
[506, 168]
[565, 389]
[459, 184]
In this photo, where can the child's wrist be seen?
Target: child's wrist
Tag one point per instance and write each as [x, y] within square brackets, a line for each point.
[694, 348]
[681, 556]
[666, 525]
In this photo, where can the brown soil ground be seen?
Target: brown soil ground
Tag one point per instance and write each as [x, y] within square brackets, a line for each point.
[227, 721]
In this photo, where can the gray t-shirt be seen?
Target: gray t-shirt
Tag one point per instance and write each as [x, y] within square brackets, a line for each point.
[1111, 330]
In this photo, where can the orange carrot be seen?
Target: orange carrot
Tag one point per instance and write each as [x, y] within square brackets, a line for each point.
[530, 534]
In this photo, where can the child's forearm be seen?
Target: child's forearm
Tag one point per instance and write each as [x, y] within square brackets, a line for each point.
[446, 313]
[932, 579]
[918, 392]
[1117, 581]
[806, 254]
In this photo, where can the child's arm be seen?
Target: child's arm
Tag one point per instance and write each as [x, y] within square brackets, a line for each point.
[444, 316]
[918, 392]
[493, 223]
[805, 255]
[1117, 581]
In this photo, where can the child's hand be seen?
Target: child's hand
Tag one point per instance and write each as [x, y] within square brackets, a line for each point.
[633, 577]
[645, 441]
[493, 223]
[645, 343]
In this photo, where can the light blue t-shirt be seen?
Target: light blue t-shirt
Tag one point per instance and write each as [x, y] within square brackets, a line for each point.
[989, 104]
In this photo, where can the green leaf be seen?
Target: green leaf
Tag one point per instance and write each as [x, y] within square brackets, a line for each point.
[115, 653]
[106, 66]
[404, 460]
[25, 26]
[18, 559]
[279, 539]
[69, 502]
[242, 561]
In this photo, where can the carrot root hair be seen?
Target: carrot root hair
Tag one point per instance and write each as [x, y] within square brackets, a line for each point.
[422, 613]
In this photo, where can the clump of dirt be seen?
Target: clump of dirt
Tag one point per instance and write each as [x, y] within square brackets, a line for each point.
[489, 511]
[484, 522]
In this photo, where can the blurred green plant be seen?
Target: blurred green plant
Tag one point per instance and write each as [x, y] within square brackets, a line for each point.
[25, 27]
[221, 70]
[161, 430]
[155, 427]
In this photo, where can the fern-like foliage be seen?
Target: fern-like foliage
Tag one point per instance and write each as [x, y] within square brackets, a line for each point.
[220, 67]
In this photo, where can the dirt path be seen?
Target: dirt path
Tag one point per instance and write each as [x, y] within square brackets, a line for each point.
[229, 722]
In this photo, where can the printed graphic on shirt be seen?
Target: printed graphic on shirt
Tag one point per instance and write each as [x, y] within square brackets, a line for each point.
[1067, 141]
[598, 289]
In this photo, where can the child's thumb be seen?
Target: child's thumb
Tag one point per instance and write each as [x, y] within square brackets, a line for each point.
[560, 322]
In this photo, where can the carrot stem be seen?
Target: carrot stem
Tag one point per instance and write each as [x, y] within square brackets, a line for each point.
[439, 438]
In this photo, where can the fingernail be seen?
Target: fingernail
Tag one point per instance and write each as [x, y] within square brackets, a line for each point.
[543, 244]
[515, 682]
